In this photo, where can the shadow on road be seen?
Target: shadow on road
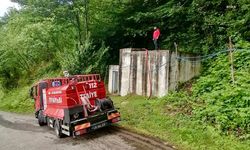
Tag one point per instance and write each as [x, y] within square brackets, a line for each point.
[20, 126]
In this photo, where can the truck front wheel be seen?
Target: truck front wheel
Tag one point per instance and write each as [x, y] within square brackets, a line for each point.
[58, 129]
[41, 118]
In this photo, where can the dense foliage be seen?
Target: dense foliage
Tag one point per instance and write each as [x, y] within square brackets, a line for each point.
[215, 100]
[226, 105]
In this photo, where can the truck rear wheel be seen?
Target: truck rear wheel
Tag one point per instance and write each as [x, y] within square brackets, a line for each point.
[58, 129]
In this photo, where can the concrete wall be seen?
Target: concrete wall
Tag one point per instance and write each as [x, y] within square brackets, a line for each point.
[113, 85]
[154, 74]
[125, 72]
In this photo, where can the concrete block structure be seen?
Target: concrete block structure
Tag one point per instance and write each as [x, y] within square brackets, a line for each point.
[150, 73]
[113, 86]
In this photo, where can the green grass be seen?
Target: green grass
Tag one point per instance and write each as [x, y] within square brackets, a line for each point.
[17, 100]
[150, 117]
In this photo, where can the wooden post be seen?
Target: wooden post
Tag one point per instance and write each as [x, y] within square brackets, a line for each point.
[176, 65]
[231, 59]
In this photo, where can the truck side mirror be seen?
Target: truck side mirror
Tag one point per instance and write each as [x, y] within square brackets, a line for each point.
[31, 93]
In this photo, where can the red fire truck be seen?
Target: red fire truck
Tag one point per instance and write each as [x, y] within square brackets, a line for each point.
[73, 105]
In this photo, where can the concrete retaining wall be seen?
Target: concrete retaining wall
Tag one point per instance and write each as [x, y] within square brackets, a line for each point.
[154, 74]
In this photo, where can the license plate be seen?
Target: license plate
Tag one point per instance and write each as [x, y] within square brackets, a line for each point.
[99, 126]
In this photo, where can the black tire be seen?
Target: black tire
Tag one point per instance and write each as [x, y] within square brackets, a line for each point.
[41, 119]
[40, 122]
[58, 129]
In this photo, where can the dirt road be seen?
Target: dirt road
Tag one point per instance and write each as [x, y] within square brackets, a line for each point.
[23, 132]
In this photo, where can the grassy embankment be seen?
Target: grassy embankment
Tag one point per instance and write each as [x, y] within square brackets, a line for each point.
[151, 117]
[16, 100]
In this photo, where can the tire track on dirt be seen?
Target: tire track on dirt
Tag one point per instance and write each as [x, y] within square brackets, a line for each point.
[147, 143]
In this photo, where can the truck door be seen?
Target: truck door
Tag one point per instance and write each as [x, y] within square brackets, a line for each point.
[35, 96]
[42, 94]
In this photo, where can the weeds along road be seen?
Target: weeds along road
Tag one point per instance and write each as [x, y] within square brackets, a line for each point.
[23, 132]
